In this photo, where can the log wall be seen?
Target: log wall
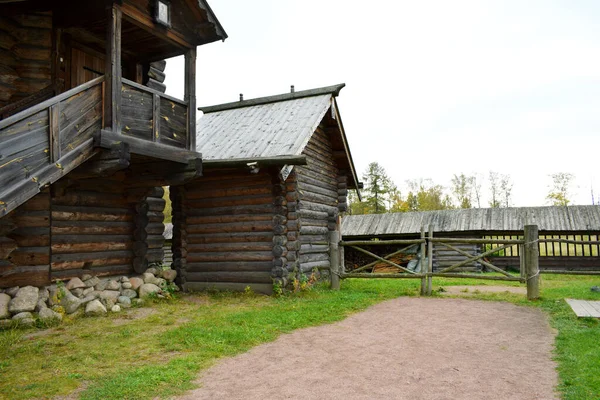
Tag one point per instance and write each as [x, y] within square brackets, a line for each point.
[24, 243]
[225, 223]
[25, 48]
[92, 231]
[317, 210]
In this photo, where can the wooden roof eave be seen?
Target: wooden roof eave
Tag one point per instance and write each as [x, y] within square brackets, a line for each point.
[338, 119]
[212, 18]
[258, 161]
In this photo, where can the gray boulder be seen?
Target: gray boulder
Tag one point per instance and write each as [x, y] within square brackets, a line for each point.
[4, 300]
[129, 293]
[75, 283]
[24, 318]
[101, 285]
[91, 282]
[147, 276]
[126, 285]
[44, 294]
[41, 304]
[116, 308]
[78, 292]
[12, 292]
[147, 289]
[95, 308]
[47, 315]
[112, 285]
[85, 277]
[152, 271]
[124, 301]
[110, 295]
[25, 300]
[69, 302]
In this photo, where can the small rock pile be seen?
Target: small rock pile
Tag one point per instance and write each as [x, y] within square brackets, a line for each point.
[88, 295]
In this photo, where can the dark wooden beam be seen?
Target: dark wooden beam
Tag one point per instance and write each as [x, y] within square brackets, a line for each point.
[260, 162]
[112, 94]
[147, 148]
[190, 96]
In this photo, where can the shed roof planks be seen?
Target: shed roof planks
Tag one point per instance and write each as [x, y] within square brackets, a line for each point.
[271, 127]
[548, 219]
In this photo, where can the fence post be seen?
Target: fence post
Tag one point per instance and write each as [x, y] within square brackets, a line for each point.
[422, 266]
[522, 262]
[334, 259]
[430, 261]
[532, 267]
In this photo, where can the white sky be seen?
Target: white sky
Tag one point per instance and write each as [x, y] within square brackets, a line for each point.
[434, 88]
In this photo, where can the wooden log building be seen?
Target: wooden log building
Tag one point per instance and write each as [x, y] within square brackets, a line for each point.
[580, 223]
[87, 133]
[276, 175]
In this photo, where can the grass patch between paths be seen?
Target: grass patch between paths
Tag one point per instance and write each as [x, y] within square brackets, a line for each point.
[160, 354]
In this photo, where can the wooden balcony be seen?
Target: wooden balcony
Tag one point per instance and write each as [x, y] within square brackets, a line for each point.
[43, 143]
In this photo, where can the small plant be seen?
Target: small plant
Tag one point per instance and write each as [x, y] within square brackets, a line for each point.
[248, 291]
[277, 288]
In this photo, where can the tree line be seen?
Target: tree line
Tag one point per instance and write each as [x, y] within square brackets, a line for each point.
[381, 195]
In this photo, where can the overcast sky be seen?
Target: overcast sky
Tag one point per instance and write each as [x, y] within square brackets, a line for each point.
[434, 88]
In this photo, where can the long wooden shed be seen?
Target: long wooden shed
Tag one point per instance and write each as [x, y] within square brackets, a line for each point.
[580, 223]
[87, 133]
[276, 175]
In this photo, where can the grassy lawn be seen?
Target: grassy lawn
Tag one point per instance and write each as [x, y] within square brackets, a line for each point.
[157, 351]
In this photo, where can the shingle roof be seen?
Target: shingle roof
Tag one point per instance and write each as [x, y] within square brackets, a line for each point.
[550, 219]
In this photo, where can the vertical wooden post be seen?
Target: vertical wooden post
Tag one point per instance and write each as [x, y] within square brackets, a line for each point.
[190, 96]
[531, 252]
[54, 115]
[112, 95]
[422, 265]
[155, 118]
[334, 259]
[522, 261]
[430, 261]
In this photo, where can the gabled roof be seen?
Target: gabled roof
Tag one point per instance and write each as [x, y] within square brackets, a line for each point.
[548, 219]
[269, 127]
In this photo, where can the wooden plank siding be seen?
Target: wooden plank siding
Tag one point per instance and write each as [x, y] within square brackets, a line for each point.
[228, 231]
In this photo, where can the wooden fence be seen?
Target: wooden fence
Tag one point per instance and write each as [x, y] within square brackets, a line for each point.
[529, 265]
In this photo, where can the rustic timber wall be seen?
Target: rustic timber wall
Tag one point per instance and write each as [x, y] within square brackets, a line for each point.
[25, 47]
[25, 243]
[224, 222]
[318, 202]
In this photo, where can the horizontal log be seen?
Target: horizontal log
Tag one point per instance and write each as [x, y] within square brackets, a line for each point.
[314, 222]
[261, 162]
[90, 215]
[313, 230]
[227, 256]
[314, 248]
[200, 202]
[68, 248]
[305, 238]
[239, 276]
[155, 255]
[230, 237]
[101, 271]
[219, 219]
[100, 262]
[31, 219]
[258, 209]
[313, 257]
[7, 246]
[229, 266]
[360, 275]
[308, 267]
[34, 275]
[231, 227]
[30, 256]
[264, 288]
[88, 198]
[224, 247]
[240, 191]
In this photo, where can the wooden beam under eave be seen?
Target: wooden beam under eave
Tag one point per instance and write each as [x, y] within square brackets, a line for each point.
[143, 21]
[112, 94]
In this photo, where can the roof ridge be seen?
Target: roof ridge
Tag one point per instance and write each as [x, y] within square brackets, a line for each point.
[334, 90]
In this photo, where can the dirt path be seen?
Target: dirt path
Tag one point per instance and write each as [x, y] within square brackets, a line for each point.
[407, 348]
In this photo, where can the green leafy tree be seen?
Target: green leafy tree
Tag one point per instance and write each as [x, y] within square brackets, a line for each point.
[462, 189]
[424, 195]
[559, 194]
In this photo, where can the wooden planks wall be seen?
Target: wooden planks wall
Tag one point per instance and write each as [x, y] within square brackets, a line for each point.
[317, 184]
[228, 230]
[25, 48]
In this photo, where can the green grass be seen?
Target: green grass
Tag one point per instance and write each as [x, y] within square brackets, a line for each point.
[160, 354]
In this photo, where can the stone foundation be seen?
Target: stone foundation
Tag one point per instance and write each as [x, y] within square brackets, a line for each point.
[88, 295]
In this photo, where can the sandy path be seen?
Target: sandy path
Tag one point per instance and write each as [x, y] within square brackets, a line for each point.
[407, 348]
